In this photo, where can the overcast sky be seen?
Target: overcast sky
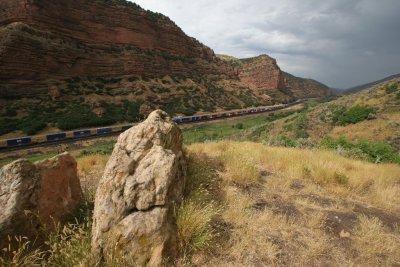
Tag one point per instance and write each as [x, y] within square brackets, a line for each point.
[341, 43]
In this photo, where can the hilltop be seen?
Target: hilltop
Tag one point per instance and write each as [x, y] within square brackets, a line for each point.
[358, 88]
[371, 114]
[81, 64]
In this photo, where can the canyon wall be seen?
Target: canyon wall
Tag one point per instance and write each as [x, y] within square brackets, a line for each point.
[59, 53]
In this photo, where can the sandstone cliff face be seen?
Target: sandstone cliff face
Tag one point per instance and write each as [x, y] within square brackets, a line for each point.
[143, 181]
[54, 40]
[58, 53]
[103, 22]
[261, 73]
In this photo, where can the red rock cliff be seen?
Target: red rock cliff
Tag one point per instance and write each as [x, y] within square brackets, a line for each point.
[262, 73]
[46, 43]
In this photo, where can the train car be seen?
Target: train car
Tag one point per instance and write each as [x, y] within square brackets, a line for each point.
[81, 133]
[196, 118]
[56, 136]
[177, 120]
[19, 141]
[186, 119]
[104, 130]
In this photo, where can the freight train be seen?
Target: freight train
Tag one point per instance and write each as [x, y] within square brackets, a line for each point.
[79, 134]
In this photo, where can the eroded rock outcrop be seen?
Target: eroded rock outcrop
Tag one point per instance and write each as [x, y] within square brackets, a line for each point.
[134, 207]
[263, 75]
[60, 188]
[45, 45]
[36, 195]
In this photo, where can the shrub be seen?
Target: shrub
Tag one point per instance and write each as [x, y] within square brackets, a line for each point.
[32, 126]
[239, 125]
[343, 116]
[133, 110]
[81, 116]
[282, 140]
[362, 149]
[8, 125]
[9, 113]
[391, 88]
[299, 126]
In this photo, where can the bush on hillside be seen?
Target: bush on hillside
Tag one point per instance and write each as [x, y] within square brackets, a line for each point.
[239, 126]
[10, 112]
[344, 116]
[391, 88]
[81, 116]
[32, 126]
[281, 140]
[370, 150]
[8, 125]
[299, 125]
[133, 110]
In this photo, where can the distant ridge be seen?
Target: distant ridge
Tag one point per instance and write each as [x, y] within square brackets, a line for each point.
[368, 85]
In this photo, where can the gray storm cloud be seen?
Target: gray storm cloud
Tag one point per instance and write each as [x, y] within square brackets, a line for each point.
[342, 43]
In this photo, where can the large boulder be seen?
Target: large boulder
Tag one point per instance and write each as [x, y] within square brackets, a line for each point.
[35, 196]
[60, 188]
[143, 181]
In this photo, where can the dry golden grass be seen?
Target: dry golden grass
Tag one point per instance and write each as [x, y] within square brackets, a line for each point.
[375, 242]
[90, 170]
[378, 129]
[91, 163]
[377, 184]
[291, 207]
[248, 204]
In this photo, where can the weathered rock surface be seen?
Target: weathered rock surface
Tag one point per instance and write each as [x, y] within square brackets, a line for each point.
[35, 195]
[134, 206]
[19, 190]
[60, 188]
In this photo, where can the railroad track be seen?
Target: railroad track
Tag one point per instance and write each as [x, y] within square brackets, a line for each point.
[179, 120]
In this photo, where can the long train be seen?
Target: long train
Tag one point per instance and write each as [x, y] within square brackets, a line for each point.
[79, 134]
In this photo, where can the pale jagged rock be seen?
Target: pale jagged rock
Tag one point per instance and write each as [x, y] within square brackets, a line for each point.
[19, 189]
[34, 196]
[143, 181]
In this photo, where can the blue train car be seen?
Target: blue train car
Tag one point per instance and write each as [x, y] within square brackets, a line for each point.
[196, 118]
[103, 130]
[187, 119]
[19, 141]
[81, 133]
[56, 136]
[177, 120]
